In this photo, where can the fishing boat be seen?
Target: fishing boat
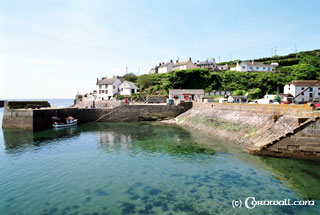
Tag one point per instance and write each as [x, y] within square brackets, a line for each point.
[69, 121]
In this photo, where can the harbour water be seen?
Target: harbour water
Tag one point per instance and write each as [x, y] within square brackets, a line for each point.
[143, 168]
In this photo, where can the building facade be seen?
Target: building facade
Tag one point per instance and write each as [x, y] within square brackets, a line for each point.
[183, 65]
[296, 87]
[107, 88]
[127, 88]
[252, 67]
[186, 94]
[207, 64]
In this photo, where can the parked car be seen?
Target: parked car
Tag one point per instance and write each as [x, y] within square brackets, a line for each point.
[317, 105]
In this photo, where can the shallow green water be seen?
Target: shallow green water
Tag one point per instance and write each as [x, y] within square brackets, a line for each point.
[143, 168]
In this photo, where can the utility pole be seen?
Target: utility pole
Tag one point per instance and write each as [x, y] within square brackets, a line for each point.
[275, 51]
[126, 70]
[231, 57]
[139, 71]
[271, 52]
[219, 60]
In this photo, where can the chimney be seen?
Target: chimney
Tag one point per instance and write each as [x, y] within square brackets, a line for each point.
[97, 80]
[189, 58]
[177, 61]
[103, 78]
[162, 63]
[252, 62]
[159, 64]
[171, 61]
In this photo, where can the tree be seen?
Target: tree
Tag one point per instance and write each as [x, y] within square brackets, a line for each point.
[130, 77]
[304, 72]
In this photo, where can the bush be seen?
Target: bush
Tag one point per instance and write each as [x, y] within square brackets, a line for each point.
[239, 93]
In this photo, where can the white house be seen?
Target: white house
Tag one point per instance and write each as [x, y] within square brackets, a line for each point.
[183, 65]
[165, 67]
[186, 94]
[127, 88]
[162, 68]
[252, 67]
[296, 87]
[107, 88]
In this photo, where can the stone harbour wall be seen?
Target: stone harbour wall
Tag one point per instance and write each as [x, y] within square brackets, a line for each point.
[280, 130]
[40, 119]
[304, 143]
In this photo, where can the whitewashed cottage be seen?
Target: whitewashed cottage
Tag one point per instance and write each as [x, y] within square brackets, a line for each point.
[107, 88]
[127, 88]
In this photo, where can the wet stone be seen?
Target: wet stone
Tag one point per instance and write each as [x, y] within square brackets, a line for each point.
[154, 191]
[100, 192]
[128, 208]
[88, 199]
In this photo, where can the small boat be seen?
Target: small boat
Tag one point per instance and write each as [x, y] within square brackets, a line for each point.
[70, 121]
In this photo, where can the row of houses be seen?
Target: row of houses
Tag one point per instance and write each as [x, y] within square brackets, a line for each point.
[211, 64]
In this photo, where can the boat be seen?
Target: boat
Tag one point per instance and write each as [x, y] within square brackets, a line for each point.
[69, 121]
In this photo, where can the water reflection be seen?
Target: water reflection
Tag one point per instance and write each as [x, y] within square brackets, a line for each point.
[15, 138]
[196, 150]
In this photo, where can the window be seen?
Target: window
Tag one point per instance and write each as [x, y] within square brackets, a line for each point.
[264, 67]
[121, 89]
[114, 87]
[318, 88]
[106, 91]
[268, 68]
[310, 95]
[102, 91]
[100, 86]
[319, 94]
[302, 94]
[257, 67]
[250, 67]
[310, 89]
[302, 88]
[99, 91]
[106, 86]
[243, 67]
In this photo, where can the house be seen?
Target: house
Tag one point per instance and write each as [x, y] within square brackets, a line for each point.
[296, 87]
[165, 67]
[252, 67]
[238, 99]
[107, 88]
[286, 97]
[208, 64]
[127, 88]
[154, 70]
[223, 67]
[183, 65]
[186, 94]
[162, 68]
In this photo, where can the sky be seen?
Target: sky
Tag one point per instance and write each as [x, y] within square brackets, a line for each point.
[54, 49]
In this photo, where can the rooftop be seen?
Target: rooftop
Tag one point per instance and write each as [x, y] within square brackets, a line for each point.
[108, 81]
[186, 91]
[305, 83]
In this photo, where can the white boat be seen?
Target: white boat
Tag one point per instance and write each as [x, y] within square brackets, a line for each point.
[70, 121]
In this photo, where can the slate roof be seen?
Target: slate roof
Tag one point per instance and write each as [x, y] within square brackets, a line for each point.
[305, 83]
[107, 81]
[205, 62]
[186, 91]
[182, 63]
[131, 85]
[165, 65]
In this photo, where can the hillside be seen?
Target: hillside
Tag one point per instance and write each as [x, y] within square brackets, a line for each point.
[300, 66]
